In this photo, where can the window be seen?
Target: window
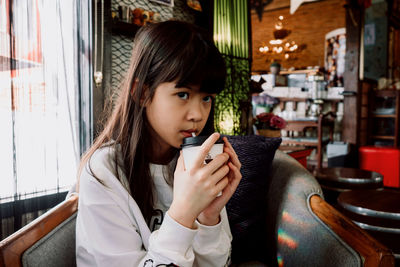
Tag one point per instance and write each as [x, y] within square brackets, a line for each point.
[45, 91]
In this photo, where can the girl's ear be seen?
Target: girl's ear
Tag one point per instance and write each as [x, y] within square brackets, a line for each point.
[133, 87]
[144, 99]
[144, 90]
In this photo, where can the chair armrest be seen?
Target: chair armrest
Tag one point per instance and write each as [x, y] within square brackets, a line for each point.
[373, 252]
[12, 247]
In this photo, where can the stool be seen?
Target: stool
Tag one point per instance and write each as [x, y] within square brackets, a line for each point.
[385, 160]
[333, 181]
[377, 212]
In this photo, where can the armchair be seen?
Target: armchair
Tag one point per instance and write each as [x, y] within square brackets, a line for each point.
[47, 241]
[302, 229]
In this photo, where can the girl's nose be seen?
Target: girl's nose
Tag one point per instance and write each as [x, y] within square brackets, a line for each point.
[195, 113]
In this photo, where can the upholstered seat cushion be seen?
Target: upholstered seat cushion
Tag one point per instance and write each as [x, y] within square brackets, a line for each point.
[246, 209]
[56, 249]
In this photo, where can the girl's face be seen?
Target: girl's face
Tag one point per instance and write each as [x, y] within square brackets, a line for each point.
[174, 113]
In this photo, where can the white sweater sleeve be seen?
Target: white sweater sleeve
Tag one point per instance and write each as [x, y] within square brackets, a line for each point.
[212, 244]
[106, 236]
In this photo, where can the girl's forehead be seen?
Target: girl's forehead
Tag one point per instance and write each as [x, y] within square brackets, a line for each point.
[193, 87]
[174, 86]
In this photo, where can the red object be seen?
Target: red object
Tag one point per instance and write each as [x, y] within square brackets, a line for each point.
[385, 160]
[301, 156]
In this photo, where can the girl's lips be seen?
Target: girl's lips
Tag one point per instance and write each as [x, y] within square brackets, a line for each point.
[187, 133]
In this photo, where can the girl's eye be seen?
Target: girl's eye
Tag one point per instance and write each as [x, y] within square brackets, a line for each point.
[183, 95]
[207, 99]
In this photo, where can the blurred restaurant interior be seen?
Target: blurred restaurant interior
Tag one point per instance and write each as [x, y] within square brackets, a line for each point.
[326, 71]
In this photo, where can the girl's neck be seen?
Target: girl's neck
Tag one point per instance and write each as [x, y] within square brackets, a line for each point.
[159, 152]
[162, 157]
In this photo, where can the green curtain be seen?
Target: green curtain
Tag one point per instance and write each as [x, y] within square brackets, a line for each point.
[231, 36]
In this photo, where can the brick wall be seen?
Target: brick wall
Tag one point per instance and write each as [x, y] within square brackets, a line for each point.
[308, 26]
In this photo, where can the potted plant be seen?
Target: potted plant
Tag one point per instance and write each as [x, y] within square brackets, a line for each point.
[269, 124]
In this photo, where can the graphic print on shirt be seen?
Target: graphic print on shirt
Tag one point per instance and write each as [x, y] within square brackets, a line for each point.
[149, 263]
[156, 220]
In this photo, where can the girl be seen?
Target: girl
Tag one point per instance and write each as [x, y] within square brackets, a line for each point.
[134, 209]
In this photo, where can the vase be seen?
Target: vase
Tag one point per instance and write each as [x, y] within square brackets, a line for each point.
[269, 132]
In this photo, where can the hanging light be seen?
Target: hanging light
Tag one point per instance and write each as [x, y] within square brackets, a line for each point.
[280, 45]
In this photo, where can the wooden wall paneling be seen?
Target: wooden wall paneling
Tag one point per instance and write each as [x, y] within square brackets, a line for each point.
[366, 117]
[352, 106]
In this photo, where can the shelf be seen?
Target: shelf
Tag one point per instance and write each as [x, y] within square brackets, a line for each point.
[302, 99]
[306, 71]
[384, 106]
[386, 93]
[124, 28]
[303, 141]
[299, 143]
[385, 137]
[384, 116]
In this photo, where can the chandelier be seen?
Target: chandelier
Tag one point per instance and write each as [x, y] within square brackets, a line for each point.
[280, 46]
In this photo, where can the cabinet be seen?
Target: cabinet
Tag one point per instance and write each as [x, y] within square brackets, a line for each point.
[384, 118]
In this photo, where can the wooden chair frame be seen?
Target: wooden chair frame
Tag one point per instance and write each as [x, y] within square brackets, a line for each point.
[12, 247]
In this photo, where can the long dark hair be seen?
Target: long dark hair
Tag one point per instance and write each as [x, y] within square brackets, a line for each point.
[163, 52]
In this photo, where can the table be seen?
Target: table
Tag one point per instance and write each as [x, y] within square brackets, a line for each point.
[376, 211]
[339, 179]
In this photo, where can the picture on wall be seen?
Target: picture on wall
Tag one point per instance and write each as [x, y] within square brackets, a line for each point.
[335, 50]
[164, 2]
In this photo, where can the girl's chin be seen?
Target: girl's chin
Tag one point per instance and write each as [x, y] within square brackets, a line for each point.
[178, 146]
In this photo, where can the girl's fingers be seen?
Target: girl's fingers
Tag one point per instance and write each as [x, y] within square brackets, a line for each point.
[217, 162]
[229, 145]
[219, 174]
[237, 175]
[205, 148]
[221, 185]
[227, 142]
[232, 153]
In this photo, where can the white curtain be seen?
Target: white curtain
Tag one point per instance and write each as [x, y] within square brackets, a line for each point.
[44, 94]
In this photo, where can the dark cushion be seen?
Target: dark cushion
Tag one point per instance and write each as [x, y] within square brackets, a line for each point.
[246, 209]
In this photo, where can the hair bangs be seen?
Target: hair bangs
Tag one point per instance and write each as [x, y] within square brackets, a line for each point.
[190, 59]
[187, 56]
[204, 67]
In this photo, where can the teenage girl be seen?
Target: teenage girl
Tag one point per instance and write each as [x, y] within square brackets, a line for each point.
[138, 204]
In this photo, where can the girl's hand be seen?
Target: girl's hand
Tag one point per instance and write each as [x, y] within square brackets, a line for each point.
[210, 215]
[196, 188]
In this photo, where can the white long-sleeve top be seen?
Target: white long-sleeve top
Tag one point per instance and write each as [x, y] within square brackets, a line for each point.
[111, 230]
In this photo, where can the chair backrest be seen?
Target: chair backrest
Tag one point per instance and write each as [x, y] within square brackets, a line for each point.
[47, 241]
[304, 230]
